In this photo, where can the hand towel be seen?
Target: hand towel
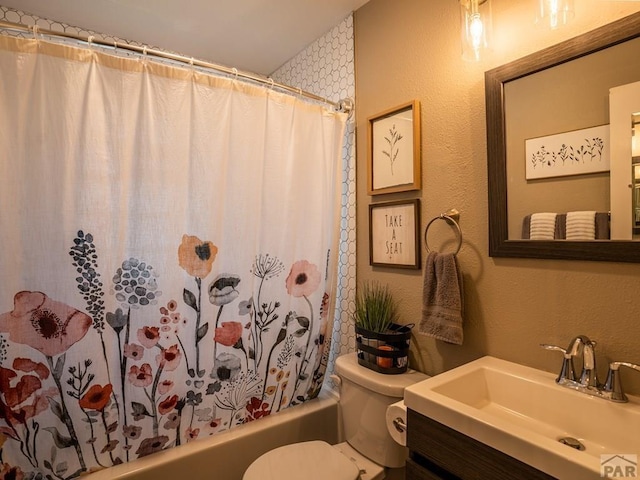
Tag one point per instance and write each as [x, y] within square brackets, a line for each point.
[560, 228]
[442, 304]
[602, 226]
[526, 227]
[581, 225]
[543, 226]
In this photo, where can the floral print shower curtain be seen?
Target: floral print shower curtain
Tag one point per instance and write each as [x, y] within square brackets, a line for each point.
[167, 255]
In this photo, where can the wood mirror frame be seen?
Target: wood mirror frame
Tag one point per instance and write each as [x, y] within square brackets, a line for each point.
[601, 38]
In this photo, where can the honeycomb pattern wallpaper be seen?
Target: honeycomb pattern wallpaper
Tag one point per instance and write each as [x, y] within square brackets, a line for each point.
[16, 16]
[325, 68]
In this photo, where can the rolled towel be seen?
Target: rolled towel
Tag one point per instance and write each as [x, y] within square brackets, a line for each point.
[581, 225]
[543, 226]
[442, 299]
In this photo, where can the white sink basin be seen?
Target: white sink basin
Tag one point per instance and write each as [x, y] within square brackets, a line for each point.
[522, 412]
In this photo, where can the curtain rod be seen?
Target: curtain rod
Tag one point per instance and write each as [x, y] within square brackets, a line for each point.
[345, 105]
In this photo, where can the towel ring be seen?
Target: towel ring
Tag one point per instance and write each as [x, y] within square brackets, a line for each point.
[451, 218]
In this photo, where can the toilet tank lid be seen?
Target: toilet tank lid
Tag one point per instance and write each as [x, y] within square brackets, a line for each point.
[347, 366]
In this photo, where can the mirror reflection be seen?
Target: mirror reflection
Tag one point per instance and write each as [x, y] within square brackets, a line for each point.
[558, 140]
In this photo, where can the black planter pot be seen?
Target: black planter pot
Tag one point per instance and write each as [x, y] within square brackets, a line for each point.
[387, 352]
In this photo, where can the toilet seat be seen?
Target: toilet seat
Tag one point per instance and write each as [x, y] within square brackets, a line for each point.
[315, 460]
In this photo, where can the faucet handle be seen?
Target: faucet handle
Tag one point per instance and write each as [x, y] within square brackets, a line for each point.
[546, 346]
[613, 385]
[567, 372]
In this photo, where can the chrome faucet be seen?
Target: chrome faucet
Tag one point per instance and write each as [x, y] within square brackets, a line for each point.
[588, 382]
[589, 376]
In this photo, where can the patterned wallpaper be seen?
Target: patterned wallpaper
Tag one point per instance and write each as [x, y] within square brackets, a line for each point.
[325, 68]
[16, 16]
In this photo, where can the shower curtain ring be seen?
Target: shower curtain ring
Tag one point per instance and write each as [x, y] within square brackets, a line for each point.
[235, 73]
[90, 41]
[271, 83]
[35, 31]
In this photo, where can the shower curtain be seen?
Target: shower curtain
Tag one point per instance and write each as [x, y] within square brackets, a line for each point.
[167, 255]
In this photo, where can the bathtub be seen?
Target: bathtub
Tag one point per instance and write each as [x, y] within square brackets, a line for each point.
[227, 455]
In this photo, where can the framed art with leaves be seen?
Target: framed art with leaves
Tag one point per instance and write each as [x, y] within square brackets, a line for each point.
[394, 150]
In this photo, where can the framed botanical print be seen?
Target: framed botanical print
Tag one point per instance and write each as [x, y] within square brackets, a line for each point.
[394, 150]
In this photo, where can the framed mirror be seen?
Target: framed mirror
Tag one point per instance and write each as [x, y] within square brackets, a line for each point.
[563, 89]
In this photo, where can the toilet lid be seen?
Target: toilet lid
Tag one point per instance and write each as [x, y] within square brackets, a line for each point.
[314, 460]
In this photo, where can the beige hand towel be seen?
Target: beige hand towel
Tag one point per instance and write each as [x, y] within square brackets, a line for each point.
[442, 297]
[543, 226]
[581, 225]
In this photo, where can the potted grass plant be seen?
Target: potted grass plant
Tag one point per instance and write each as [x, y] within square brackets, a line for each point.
[382, 344]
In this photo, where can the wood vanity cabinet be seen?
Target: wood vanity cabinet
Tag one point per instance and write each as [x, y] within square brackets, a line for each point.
[438, 452]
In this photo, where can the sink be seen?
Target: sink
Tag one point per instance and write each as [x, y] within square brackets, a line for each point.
[522, 412]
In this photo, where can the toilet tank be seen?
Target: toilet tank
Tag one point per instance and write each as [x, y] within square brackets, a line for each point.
[364, 398]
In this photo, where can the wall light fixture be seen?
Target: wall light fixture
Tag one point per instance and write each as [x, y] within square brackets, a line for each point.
[554, 13]
[475, 28]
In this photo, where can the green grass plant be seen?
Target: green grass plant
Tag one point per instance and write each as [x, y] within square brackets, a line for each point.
[375, 309]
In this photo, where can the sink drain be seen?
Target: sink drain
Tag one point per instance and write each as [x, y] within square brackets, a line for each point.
[572, 442]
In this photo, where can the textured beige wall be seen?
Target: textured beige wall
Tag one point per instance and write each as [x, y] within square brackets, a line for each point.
[409, 49]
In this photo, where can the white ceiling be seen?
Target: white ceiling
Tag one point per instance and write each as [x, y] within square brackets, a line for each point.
[251, 35]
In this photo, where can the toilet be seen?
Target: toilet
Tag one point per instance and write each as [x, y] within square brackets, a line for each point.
[369, 453]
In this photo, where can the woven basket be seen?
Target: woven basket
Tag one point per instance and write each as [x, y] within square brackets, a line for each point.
[387, 352]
